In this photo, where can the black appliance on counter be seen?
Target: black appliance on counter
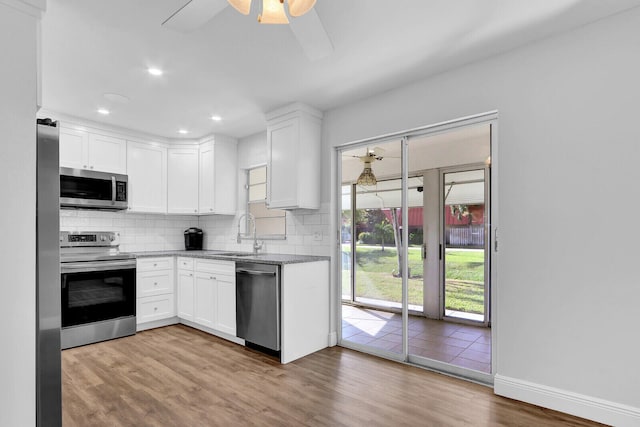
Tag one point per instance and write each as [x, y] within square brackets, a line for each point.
[193, 239]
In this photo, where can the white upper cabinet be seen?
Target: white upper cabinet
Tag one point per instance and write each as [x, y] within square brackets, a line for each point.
[182, 180]
[84, 150]
[293, 158]
[74, 148]
[218, 177]
[107, 154]
[147, 170]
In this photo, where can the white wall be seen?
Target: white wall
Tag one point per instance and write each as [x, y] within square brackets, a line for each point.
[17, 216]
[569, 146]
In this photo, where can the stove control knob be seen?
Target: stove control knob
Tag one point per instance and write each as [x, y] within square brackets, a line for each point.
[112, 238]
[103, 238]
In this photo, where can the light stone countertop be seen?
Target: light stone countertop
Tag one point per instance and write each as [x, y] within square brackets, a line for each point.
[262, 258]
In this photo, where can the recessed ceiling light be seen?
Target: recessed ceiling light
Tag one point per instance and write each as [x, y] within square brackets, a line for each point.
[216, 118]
[154, 71]
[183, 131]
[103, 111]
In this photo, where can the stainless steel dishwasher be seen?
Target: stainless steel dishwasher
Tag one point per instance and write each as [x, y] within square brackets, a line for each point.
[258, 304]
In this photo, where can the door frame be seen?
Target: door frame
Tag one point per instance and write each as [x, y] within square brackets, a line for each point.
[490, 118]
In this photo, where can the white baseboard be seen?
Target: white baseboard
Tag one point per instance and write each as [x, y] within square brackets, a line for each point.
[580, 405]
[333, 339]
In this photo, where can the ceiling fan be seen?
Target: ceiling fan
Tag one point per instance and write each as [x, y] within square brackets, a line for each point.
[304, 23]
[372, 154]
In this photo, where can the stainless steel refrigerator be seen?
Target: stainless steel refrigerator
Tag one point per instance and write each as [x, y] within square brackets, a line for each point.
[48, 306]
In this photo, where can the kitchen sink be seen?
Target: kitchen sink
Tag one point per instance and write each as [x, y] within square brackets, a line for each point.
[235, 254]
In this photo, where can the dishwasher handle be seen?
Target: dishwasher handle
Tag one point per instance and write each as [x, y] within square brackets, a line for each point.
[255, 272]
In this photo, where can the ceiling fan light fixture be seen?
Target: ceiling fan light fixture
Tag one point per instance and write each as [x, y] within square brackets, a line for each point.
[273, 12]
[300, 7]
[242, 6]
[367, 177]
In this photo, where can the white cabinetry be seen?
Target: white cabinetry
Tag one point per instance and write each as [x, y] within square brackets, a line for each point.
[74, 148]
[186, 282]
[226, 304]
[218, 176]
[147, 171]
[83, 150]
[182, 175]
[207, 294]
[305, 327]
[205, 300]
[155, 297]
[293, 158]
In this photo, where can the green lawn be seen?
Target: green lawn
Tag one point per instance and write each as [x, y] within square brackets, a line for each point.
[464, 290]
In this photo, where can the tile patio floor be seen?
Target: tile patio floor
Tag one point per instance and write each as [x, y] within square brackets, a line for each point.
[461, 345]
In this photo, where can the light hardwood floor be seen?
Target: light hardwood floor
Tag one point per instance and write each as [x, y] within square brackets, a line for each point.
[178, 376]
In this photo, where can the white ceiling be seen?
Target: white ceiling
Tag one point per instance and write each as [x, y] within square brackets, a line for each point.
[236, 68]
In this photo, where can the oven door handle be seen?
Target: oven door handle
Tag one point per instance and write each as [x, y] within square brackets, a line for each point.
[88, 266]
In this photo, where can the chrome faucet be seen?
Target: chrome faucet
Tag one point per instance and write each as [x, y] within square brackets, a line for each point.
[256, 246]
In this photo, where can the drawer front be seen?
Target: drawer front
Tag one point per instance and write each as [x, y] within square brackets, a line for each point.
[155, 308]
[155, 283]
[154, 264]
[227, 268]
[185, 263]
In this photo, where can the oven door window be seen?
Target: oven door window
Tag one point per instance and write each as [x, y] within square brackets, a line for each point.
[98, 295]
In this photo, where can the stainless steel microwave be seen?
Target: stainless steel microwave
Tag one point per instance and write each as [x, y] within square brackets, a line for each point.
[83, 189]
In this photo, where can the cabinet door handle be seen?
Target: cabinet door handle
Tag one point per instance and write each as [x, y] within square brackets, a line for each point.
[190, 274]
[155, 265]
[155, 283]
[155, 308]
[91, 167]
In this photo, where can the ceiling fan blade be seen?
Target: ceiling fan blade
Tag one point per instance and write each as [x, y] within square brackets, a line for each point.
[194, 14]
[311, 35]
[378, 151]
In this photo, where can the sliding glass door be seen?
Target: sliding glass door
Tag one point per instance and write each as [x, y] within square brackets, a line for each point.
[414, 239]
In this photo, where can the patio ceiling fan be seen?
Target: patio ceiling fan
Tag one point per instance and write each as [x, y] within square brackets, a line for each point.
[305, 23]
[367, 177]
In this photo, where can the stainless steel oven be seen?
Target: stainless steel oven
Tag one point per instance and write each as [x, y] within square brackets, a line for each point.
[98, 289]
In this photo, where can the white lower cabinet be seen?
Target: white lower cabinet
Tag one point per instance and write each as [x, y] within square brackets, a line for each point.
[207, 293]
[226, 304]
[155, 308]
[155, 290]
[205, 300]
[186, 285]
[203, 295]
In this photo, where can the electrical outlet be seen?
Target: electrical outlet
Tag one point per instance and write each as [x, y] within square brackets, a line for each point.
[317, 236]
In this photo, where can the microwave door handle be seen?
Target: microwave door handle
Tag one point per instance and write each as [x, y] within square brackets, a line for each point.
[113, 190]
